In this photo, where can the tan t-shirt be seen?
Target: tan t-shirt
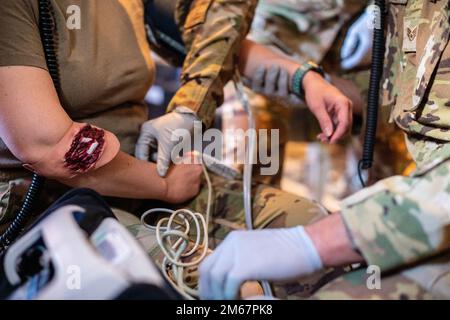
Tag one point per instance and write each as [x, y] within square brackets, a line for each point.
[105, 66]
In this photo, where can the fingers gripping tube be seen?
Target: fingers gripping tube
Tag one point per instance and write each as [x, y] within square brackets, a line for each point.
[83, 148]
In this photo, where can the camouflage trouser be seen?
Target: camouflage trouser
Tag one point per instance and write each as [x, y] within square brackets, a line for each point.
[11, 195]
[353, 286]
[429, 280]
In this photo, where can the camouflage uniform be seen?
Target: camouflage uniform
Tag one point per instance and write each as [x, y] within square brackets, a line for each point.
[404, 221]
[303, 29]
[212, 32]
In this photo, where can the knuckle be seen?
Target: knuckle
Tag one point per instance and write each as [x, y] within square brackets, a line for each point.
[344, 103]
[350, 104]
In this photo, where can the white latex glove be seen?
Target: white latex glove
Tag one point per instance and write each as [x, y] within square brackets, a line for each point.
[272, 255]
[158, 133]
[274, 84]
[357, 43]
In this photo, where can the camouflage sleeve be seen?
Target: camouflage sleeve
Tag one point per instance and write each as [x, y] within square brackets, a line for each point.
[401, 220]
[212, 31]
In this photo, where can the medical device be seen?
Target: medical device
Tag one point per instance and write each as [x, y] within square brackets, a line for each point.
[220, 168]
[78, 250]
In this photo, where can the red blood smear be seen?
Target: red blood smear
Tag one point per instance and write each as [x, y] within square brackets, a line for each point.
[77, 158]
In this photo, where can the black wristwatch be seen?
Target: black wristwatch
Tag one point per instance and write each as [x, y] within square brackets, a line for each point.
[297, 79]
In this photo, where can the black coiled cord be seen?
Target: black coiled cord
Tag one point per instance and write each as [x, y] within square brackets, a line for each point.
[47, 29]
[373, 100]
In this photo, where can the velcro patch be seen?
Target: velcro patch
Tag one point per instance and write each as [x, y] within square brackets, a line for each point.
[410, 33]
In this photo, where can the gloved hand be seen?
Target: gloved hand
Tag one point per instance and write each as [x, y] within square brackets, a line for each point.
[274, 84]
[158, 133]
[357, 43]
[273, 255]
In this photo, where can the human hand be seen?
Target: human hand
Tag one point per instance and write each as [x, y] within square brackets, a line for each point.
[183, 182]
[274, 83]
[272, 255]
[159, 133]
[357, 43]
[331, 108]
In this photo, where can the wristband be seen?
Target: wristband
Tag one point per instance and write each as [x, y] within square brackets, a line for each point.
[299, 75]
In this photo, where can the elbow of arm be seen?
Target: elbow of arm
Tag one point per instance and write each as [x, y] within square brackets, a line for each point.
[82, 149]
[29, 153]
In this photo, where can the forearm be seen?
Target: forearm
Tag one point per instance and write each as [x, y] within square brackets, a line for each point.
[254, 55]
[332, 242]
[124, 177]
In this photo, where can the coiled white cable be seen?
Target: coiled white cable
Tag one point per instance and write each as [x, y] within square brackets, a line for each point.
[173, 237]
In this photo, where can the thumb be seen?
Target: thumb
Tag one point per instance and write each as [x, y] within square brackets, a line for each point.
[163, 162]
[142, 149]
[356, 58]
[324, 120]
[349, 45]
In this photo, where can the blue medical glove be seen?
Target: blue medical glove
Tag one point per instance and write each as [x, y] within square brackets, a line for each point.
[271, 255]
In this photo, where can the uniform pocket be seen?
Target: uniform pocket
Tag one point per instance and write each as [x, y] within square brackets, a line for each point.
[432, 40]
[438, 153]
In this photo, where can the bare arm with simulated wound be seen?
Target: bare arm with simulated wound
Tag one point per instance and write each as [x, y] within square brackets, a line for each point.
[83, 148]
[38, 131]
